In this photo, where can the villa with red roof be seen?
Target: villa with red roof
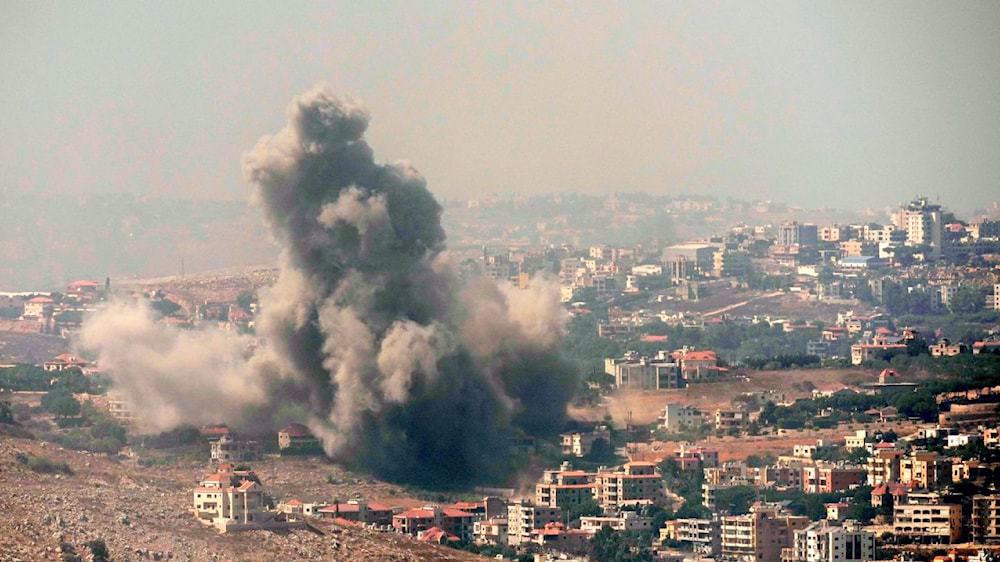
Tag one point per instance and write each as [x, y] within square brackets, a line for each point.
[360, 511]
[38, 307]
[449, 520]
[234, 500]
[296, 438]
[65, 361]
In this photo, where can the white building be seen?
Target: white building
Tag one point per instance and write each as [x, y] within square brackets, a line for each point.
[679, 416]
[824, 541]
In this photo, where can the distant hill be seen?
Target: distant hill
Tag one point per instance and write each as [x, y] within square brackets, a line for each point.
[46, 241]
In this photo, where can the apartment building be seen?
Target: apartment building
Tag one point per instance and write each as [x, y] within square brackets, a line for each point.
[636, 483]
[760, 535]
[986, 518]
[731, 421]
[565, 488]
[703, 535]
[925, 469]
[623, 521]
[523, 517]
[926, 517]
[824, 541]
[825, 478]
[884, 466]
[579, 444]
[677, 417]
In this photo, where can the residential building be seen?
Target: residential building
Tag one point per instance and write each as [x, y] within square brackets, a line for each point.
[524, 517]
[296, 438]
[565, 488]
[824, 541]
[229, 449]
[986, 518]
[926, 517]
[452, 521]
[677, 417]
[703, 535]
[698, 365]
[760, 535]
[555, 536]
[921, 220]
[579, 444]
[825, 479]
[368, 513]
[635, 483]
[884, 466]
[861, 352]
[731, 421]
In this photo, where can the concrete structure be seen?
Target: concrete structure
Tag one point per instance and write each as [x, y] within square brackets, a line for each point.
[635, 483]
[644, 373]
[703, 535]
[986, 518]
[677, 417]
[452, 521]
[925, 469]
[826, 542]
[925, 517]
[921, 220]
[565, 488]
[491, 531]
[524, 517]
[229, 449]
[368, 513]
[234, 500]
[623, 521]
[296, 438]
[884, 466]
[759, 536]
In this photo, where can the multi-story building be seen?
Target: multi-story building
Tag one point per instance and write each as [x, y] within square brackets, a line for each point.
[760, 535]
[229, 449]
[644, 373]
[231, 500]
[636, 483]
[884, 466]
[623, 521]
[922, 222]
[704, 535]
[824, 541]
[986, 518]
[825, 479]
[795, 234]
[523, 517]
[490, 531]
[926, 517]
[730, 263]
[677, 417]
[731, 421]
[925, 469]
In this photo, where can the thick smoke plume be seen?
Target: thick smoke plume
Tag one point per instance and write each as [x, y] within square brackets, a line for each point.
[402, 368]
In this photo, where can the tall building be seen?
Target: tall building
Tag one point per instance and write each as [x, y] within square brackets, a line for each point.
[824, 541]
[759, 536]
[524, 517]
[793, 233]
[986, 518]
[921, 220]
[927, 517]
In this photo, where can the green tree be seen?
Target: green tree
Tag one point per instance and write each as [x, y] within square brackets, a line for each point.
[61, 403]
[968, 299]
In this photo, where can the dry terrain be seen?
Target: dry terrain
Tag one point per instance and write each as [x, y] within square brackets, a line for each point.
[142, 513]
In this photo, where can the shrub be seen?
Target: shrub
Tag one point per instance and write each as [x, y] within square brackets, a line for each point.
[43, 465]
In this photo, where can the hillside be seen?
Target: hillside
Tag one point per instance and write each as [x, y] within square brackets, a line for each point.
[142, 513]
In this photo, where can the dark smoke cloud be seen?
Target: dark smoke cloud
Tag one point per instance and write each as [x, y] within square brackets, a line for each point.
[403, 369]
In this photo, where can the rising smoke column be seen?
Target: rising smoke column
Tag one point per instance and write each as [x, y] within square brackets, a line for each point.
[404, 369]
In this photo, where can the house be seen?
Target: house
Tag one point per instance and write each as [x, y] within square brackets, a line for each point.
[861, 352]
[634, 484]
[580, 444]
[296, 439]
[38, 307]
[986, 346]
[234, 500]
[437, 536]
[65, 361]
[453, 521]
[360, 511]
[944, 348]
[624, 521]
[556, 536]
[677, 417]
[491, 531]
[229, 449]
[698, 365]
[731, 421]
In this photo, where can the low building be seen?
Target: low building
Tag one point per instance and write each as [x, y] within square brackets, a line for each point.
[825, 479]
[635, 484]
[759, 536]
[702, 535]
[731, 421]
[986, 518]
[623, 521]
[491, 531]
[677, 417]
[65, 361]
[644, 373]
[861, 352]
[555, 536]
[360, 511]
[580, 444]
[296, 439]
[234, 500]
[451, 521]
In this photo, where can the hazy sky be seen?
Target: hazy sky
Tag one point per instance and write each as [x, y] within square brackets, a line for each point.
[834, 103]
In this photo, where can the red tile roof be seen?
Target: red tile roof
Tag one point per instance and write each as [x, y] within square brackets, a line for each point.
[296, 430]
